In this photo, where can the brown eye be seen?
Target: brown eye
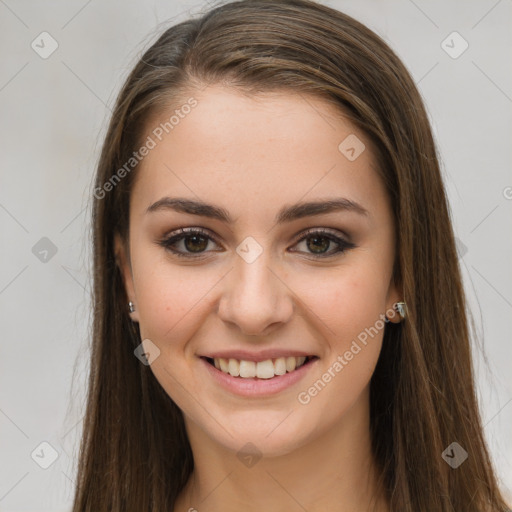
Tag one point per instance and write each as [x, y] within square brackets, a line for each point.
[318, 242]
[195, 243]
[188, 243]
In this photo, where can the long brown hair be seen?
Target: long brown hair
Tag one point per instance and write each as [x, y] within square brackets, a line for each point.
[135, 455]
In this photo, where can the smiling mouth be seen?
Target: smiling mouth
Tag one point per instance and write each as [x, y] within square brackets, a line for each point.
[259, 370]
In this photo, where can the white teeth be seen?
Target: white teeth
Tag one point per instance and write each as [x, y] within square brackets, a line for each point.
[224, 365]
[234, 367]
[247, 369]
[263, 369]
[291, 363]
[280, 366]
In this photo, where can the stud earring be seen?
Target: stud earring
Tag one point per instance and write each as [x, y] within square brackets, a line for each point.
[401, 307]
[131, 306]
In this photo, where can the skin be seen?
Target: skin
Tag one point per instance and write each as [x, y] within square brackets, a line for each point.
[252, 156]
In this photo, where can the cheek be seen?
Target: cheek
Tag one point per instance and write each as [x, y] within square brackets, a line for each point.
[167, 304]
[349, 309]
[348, 306]
[173, 306]
[173, 301]
[346, 301]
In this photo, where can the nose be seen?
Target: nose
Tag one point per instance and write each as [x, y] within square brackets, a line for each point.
[255, 298]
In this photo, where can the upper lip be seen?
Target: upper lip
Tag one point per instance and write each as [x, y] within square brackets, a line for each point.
[262, 355]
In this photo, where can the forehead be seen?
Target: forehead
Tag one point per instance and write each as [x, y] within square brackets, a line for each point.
[254, 152]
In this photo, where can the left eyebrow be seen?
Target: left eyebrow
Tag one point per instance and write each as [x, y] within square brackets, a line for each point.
[286, 214]
[300, 210]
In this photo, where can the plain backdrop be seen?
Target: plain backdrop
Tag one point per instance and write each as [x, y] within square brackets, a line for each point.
[54, 112]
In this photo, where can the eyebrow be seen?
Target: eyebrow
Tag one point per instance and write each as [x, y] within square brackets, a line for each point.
[286, 214]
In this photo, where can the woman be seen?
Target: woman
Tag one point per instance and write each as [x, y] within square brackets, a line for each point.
[279, 318]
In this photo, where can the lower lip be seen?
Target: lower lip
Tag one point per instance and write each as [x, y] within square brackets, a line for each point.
[257, 387]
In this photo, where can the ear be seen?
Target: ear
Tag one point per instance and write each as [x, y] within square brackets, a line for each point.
[122, 253]
[392, 298]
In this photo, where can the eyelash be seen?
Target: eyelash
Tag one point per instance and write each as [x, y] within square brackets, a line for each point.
[184, 233]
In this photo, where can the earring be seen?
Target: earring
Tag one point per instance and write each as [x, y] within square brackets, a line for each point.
[131, 306]
[401, 307]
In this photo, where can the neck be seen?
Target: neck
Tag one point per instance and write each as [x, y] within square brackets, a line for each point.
[335, 471]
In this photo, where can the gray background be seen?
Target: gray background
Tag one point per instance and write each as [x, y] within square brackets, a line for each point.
[53, 117]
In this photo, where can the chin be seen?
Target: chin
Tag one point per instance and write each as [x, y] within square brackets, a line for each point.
[267, 435]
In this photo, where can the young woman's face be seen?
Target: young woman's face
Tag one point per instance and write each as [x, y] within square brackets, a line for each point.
[293, 260]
